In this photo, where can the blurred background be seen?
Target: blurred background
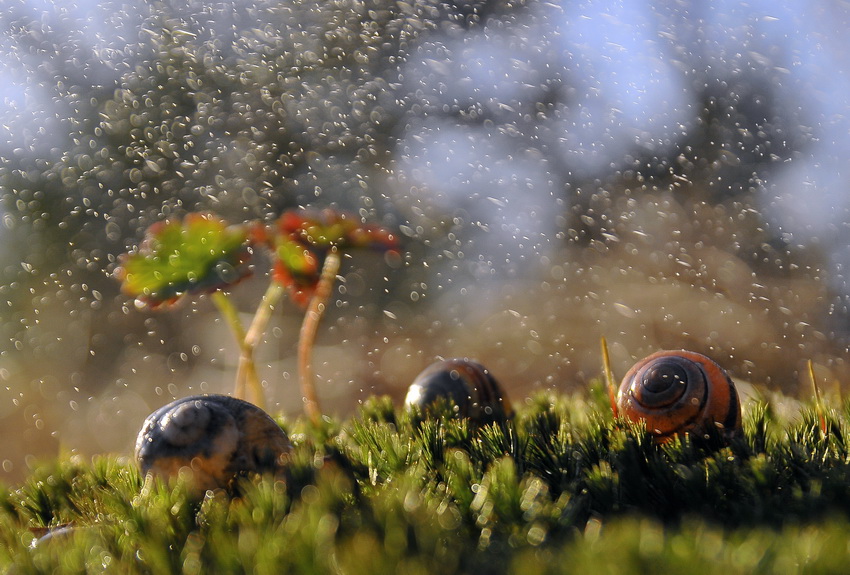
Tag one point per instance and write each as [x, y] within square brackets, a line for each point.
[664, 174]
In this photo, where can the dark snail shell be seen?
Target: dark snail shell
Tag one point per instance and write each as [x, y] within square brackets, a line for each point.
[679, 392]
[469, 385]
[215, 436]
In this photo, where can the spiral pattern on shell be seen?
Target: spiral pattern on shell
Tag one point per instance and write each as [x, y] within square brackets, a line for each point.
[679, 392]
[469, 385]
[215, 436]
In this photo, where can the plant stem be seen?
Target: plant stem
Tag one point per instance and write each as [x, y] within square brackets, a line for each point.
[231, 317]
[307, 336]
[246, 374]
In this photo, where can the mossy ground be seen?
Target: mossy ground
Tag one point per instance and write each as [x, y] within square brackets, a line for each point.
[563, 488]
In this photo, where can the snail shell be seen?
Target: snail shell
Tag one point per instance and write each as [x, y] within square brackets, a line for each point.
[216, 436]
[473, 389]
[679, 392]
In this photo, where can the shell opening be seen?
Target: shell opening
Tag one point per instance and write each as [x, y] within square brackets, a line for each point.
[664, 383]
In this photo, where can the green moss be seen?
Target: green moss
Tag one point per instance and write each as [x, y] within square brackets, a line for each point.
[562, 488]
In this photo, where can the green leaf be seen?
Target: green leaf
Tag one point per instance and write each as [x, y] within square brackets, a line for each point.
[199, 254]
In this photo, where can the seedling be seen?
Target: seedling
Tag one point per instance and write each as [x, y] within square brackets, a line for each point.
[203, 254]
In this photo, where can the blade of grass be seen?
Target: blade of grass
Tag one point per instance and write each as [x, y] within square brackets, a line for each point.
[818, 403]
[609, 378]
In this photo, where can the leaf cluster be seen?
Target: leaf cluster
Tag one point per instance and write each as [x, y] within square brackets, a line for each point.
[561, 488]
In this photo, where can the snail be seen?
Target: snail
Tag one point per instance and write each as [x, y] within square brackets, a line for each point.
[679, 392]
[215, 436]
[473, 389]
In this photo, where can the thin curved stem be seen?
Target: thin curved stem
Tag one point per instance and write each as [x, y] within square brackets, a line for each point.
[610, 386]
[247, 378]
[246, 371]
[307, 336]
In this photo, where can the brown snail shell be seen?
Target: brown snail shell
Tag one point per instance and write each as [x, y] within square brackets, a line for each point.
[469, 385]
[679, 392]
[215, 436]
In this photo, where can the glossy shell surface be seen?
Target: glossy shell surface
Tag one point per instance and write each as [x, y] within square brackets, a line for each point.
[473, 389]
[678, 392]
[215, 436]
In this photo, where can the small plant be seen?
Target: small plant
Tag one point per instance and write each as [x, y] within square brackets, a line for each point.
[203, 254]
